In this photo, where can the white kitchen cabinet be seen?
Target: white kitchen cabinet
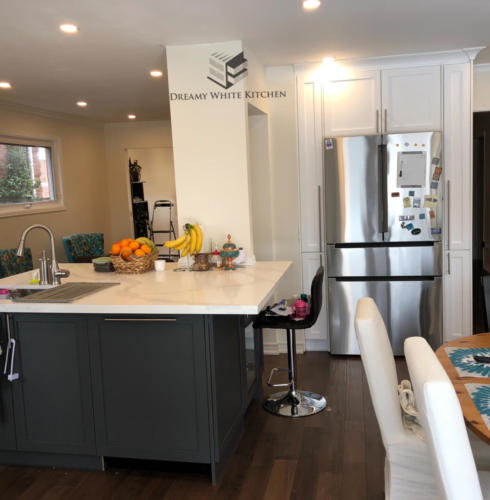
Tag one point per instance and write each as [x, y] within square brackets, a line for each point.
[457, 296]
[411, 99]
[316, 337]
[352, 104]
[457, 156]
[310, 135]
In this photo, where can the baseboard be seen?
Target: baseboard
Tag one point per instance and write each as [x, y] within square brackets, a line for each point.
[317, 345]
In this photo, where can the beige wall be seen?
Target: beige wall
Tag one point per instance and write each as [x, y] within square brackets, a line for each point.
[119, 138]
[481, 87]
[83, 177]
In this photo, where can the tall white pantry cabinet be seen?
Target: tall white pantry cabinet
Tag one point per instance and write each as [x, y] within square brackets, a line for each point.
[385, 95]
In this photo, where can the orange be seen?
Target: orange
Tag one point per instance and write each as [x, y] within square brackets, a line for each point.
[125, 242]
[134, 245]
[139, 253]
[116, 249]
[146, 249]
[126, 253]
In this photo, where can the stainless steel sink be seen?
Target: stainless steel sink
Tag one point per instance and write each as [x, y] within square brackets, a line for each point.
[68, 292]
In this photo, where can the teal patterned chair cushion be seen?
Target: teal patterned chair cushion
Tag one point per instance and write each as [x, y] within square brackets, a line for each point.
[83, 247]
[11, 264]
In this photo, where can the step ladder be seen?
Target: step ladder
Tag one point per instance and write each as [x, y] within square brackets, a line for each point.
[170, 232]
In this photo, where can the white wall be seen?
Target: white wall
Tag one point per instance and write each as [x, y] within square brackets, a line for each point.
[83, 177]
[210, 148]
[119, 138]
[481, 87]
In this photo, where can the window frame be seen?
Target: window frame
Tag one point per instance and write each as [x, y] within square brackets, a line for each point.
[56, 205]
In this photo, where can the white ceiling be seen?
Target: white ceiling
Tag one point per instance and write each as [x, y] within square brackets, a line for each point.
[107, 62]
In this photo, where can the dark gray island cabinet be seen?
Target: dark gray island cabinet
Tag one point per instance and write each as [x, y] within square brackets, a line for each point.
[171, 388]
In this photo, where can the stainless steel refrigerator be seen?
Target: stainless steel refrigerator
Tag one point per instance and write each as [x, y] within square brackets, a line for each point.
[384, 219]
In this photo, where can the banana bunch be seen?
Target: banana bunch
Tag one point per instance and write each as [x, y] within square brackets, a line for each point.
[190, 242]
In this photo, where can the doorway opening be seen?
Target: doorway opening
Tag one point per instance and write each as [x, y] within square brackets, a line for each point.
[481, 220]
[158, 196]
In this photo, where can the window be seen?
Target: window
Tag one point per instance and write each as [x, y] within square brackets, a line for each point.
[28, 177]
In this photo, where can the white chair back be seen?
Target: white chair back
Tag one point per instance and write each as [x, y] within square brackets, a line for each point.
[442, 419]
[379, 365]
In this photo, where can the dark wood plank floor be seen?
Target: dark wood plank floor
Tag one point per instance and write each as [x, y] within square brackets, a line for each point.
[333, 455]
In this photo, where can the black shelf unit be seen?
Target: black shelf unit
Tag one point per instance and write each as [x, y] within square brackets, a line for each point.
[141, 215]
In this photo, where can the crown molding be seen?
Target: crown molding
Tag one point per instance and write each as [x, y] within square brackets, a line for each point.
[401, 60]
[31, 110]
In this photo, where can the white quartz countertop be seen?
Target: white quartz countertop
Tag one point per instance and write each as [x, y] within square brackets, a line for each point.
[242, 291]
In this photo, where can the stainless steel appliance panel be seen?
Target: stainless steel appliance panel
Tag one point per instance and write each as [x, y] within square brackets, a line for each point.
[352, 189]
[409, 308]
[414, 187]
[384, 260]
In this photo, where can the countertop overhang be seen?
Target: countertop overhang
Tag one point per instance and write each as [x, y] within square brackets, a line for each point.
[244, 291]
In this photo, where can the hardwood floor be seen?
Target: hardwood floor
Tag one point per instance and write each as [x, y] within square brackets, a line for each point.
[336, 454]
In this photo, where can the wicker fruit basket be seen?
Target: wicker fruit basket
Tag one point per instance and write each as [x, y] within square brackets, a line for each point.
[138, 265]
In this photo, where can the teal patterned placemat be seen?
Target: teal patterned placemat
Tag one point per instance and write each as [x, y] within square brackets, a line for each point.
[466, 366]
[480, 394]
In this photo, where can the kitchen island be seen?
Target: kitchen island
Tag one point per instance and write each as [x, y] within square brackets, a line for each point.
[161, 366]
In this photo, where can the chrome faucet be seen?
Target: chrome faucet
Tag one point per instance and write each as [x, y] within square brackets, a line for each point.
[56, 272]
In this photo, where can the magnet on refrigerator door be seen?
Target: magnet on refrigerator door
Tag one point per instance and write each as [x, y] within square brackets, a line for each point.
[430, 201]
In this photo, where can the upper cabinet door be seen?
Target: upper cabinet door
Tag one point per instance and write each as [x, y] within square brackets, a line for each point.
[411, 99]
[352, 104]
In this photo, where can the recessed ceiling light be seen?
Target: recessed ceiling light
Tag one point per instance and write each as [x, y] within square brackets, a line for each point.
[311, 4]
[131, 117]
[82, 104]
[328, 60]
[5, 85]
[68, 28]
[156, 73]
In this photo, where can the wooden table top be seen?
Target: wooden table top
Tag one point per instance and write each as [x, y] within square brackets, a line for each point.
[471, 415]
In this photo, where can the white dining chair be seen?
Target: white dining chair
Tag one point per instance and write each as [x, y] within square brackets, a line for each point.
[409, 473]
[444, 428]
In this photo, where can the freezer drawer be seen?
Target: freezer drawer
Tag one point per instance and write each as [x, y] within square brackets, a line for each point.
[409, 308]
[416, 260]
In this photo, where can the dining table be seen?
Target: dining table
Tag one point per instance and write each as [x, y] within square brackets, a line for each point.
[470, 378]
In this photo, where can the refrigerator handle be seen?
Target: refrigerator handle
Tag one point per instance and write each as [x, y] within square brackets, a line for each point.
[377, 121]
[382, 197]
[320, 218]
[448, 215]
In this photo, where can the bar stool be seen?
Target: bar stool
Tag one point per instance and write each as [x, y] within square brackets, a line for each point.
[294, 402]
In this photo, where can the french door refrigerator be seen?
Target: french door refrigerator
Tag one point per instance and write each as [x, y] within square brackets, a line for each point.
[384, 219]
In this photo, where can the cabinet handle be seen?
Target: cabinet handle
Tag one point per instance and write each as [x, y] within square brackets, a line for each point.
[161, 320]
[377, 121]
[320, 217]
[12, 376]
[7, 351]
[448, 264]
[448, 213]
[386, 121]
